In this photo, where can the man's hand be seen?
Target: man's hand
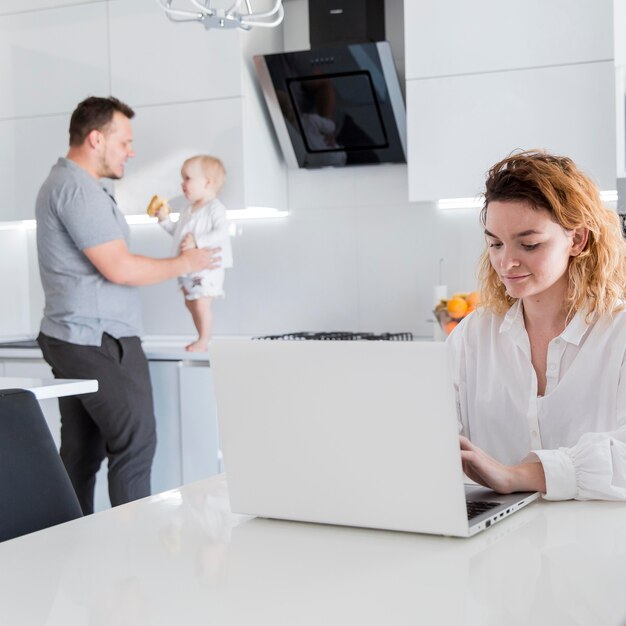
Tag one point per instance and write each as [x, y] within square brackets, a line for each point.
[486, 471]
[200, 258]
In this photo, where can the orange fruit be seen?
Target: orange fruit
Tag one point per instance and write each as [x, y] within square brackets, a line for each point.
[457, 307]
[470, 308]
[472, 299]
[448, 327]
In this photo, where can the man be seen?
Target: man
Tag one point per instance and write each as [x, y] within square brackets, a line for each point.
[92, 318]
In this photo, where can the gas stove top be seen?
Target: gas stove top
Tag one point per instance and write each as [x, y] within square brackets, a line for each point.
[340, 336]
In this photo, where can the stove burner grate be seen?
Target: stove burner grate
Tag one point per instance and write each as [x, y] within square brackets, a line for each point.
[340, 336]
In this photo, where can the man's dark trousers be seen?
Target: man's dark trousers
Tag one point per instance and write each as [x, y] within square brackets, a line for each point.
[115, 422]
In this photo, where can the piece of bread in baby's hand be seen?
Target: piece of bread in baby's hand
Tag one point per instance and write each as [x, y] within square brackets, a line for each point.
[158, 204]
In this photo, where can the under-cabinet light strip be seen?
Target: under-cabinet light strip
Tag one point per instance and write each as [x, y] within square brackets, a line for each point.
[251, 213]
[445, 204]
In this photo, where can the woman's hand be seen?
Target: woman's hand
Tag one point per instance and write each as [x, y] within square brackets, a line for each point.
[486, 471]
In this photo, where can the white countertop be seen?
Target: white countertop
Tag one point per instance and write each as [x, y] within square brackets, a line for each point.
[44, 388]
[156, 347]
[166, 348]
[182, 558]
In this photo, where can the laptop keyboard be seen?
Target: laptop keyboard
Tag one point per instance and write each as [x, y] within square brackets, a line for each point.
[476, 508]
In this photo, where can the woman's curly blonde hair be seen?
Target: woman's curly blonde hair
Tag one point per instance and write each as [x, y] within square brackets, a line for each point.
[597, 276]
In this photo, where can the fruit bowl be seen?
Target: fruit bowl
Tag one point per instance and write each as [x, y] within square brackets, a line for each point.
[450, 311]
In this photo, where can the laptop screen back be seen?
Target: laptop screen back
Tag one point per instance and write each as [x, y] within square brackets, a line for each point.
[358, 433]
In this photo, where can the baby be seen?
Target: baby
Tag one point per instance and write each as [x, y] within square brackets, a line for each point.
[202, 224]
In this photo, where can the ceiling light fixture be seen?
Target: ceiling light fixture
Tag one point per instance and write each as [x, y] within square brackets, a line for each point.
[232, 17]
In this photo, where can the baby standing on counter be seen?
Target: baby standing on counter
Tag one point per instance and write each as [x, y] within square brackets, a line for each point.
[202, 224]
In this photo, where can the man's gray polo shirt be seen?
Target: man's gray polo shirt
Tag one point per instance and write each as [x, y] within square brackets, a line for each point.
[75, 212]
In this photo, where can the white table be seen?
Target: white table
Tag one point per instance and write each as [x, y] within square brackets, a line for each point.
[182, 558]
[45, 388]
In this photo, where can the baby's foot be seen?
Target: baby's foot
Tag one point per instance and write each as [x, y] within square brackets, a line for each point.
[198, 346]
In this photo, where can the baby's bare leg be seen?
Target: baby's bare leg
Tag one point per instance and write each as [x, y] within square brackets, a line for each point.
[202, 316]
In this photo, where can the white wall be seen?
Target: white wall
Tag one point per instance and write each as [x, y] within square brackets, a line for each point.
[354, 254]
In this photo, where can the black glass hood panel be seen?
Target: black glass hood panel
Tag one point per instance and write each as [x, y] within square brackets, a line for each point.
[335, 106]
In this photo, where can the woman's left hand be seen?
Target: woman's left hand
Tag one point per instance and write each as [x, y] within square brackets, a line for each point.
[486, 471]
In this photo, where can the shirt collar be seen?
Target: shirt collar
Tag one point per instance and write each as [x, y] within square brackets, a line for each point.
[576, 329]
[513, 323]
[514, 318]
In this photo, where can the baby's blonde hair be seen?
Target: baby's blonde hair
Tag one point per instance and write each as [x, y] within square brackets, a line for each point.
[597, 276]
[212, 167]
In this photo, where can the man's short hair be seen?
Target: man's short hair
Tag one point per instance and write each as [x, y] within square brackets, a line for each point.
[95, 113]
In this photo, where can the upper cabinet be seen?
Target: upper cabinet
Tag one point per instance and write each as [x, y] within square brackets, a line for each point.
[498, 78]
[21, 6]
[50, 59]
[450, 37]
[193, 91]
[155, 61]
[619, 28]
[461, 125]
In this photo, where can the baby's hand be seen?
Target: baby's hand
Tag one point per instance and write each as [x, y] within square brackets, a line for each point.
[188, 242]
[163, 213]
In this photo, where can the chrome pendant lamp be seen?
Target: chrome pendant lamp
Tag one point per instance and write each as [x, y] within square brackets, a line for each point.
[239, 15]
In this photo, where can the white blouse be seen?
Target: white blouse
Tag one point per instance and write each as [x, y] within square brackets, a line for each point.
[577, 429]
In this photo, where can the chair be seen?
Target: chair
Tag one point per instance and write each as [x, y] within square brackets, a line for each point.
[35, 489]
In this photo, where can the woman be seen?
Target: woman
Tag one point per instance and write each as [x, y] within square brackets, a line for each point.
[540, 367]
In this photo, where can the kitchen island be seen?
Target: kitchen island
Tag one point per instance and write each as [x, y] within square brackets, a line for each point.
[182, 557]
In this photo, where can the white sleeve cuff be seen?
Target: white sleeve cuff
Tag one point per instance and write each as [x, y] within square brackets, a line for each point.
[560, 474]
[167, 225]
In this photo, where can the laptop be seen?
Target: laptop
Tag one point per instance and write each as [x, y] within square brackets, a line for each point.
[355, 433]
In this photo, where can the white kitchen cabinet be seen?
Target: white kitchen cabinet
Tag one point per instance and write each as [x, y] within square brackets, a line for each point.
[29, 147]
[188, 445]
[619, 32]
[497, 77]
[458, 126]
[14, 282]
[619, 29]
[51, 59]
[21, 6]
[154, 60]
[451, 37]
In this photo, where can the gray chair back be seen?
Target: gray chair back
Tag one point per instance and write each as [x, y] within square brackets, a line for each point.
[35, 490]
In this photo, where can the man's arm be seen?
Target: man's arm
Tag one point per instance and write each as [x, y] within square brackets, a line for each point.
[117, 264]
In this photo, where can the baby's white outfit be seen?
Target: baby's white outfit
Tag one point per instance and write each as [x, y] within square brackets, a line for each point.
[209, 226]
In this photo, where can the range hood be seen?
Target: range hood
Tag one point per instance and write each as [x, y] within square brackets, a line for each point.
[339, 103]
[335, 106]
